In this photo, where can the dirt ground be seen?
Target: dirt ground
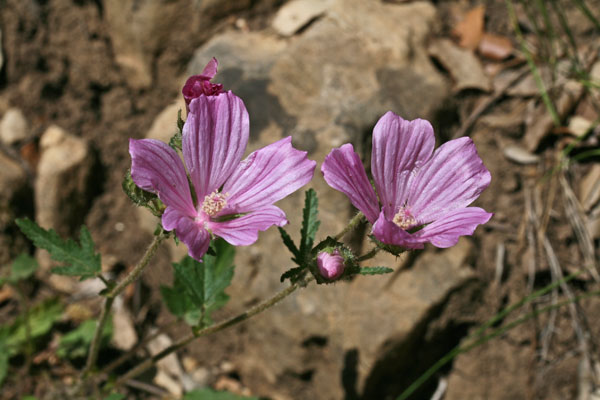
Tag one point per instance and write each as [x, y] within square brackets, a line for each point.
[60, 69]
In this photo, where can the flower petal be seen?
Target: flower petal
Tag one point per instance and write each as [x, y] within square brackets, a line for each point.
[266, 176]
[211, 68]
[453, 178]
[389, 233]
[155, 167]
[243, 231]
[446, 231]
[189, 231]
[399, 147]
[343, 170]
[215, 136]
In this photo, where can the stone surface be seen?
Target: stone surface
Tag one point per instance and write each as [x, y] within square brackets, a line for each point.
[137, 30]
[296, 14]
[15, 200]
[13, 127]
[63, 182]
[520, 155]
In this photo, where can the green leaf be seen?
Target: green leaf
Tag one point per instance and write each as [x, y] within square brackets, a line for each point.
[374, 270]
[77, 342]
[198, 288]
[289, 243]
[22, 268]
[41, 319]
[115, 396]
[292, 274]
[179, 303]
[310, 225]
[140, 197]
[80, 260]
[210, 394]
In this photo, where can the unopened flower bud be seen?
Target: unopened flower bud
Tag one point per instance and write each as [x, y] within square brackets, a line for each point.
[331, 266]
[198, 85]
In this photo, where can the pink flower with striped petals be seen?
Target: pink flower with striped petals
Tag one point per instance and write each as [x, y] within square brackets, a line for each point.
[234, 197]
[423, 195]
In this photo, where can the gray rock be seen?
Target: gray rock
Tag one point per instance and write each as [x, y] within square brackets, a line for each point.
[137, 29]
[62, 186]
[13, 127]
[296, 14]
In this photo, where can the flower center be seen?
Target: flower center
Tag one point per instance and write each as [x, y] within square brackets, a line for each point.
[404, 218]
[214, 202]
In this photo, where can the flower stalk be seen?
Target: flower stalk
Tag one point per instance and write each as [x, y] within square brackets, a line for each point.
[110, 298]
[148, 363]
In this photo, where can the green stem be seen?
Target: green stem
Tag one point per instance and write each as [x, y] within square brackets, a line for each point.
[369, 255]
[212, 329]
[351, 225]
[110, 297]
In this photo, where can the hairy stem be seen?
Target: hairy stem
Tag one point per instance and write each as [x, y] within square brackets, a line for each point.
[110, 297]
[369, 255]
[351, 225]
[212, 329]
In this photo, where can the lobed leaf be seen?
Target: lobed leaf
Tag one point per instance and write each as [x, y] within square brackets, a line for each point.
[80, 260]
[310, 225]
[289, 243]
[198, 287]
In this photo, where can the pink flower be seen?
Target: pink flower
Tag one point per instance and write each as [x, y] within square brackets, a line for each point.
[331, 266]
[197, 85]
[234, 198]
[423, 195]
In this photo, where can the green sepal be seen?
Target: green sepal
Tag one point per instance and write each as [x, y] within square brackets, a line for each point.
[140, 197]
[79, 259]
[395, 250]
[175, 141]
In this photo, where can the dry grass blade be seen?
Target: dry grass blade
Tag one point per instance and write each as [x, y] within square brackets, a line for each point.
[579, 322]
[576, 218]
[487, 103]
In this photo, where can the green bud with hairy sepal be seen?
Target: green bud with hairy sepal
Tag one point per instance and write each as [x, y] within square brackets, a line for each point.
[333, 263]
[140, 197]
